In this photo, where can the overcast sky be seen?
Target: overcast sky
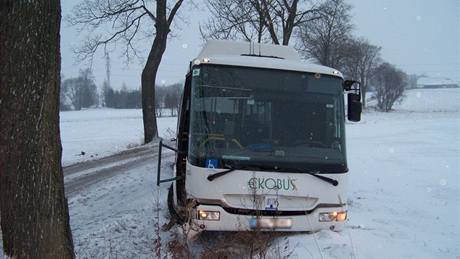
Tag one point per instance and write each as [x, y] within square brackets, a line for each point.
[418, 36]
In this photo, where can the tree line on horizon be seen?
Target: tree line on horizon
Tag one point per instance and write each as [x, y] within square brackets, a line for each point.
[81, 92]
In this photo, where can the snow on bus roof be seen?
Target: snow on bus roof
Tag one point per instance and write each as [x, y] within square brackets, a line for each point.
[234, 53]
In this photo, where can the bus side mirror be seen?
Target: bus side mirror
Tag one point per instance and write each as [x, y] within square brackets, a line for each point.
[354, 107]
[354, 99]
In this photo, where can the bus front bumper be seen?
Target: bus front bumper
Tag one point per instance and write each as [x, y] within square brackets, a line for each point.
[221, 220]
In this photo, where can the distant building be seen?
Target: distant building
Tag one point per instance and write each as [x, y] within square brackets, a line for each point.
[433, 82]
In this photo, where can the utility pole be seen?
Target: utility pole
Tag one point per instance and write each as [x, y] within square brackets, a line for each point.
[107, 75]
[107, 67]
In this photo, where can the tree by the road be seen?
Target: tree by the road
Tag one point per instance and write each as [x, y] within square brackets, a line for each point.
[361, 59]
[390, 83]
[34, 211]
[129, 22]
[324, 39]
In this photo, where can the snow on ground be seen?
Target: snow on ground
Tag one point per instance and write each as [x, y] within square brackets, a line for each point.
[404, 185]
[404, 189]
[404, 194]
[431, 100]
[116, 218]
[102, 132]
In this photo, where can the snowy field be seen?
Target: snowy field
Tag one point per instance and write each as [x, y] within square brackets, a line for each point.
[405, 178]
[102, 132]
[404, 189]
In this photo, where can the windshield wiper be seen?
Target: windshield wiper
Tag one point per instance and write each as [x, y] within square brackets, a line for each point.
[230, 169]
[211, 177]
[324, 178]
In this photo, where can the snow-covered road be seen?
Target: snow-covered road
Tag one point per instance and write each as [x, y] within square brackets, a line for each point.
[83, 175]
[112, 204]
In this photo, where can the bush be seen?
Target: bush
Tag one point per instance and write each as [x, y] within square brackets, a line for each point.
[390, 83]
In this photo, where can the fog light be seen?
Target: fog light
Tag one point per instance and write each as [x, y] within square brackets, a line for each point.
[208, 215]
[333, 216]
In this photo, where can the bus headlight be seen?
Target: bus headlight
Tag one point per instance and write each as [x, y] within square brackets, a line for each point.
[208, 215]
[333, 216]
[341, 216]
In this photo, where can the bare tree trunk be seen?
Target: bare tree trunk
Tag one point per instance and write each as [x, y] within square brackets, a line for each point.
[289, 26]
[149, 74]
[363, 95]
[34, 211]
[363, 80]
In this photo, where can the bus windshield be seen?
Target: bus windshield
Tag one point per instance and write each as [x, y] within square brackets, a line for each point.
[265, 118]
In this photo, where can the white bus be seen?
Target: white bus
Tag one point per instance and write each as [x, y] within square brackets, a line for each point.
[261, 141]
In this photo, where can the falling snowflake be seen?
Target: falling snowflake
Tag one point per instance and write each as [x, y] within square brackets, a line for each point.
[185, 45]
[418, 18]
[442, 182]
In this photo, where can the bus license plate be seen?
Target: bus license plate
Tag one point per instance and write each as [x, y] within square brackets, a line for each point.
[270, 223]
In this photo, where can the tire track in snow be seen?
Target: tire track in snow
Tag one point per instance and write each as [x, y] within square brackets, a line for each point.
[82, 175]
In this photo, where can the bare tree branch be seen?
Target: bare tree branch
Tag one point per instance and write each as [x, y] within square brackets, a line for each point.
[324, 39]
[174, 11]
[148, 11]
[274, 20]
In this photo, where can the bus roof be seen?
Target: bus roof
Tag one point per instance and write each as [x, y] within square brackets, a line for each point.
[234, 53]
